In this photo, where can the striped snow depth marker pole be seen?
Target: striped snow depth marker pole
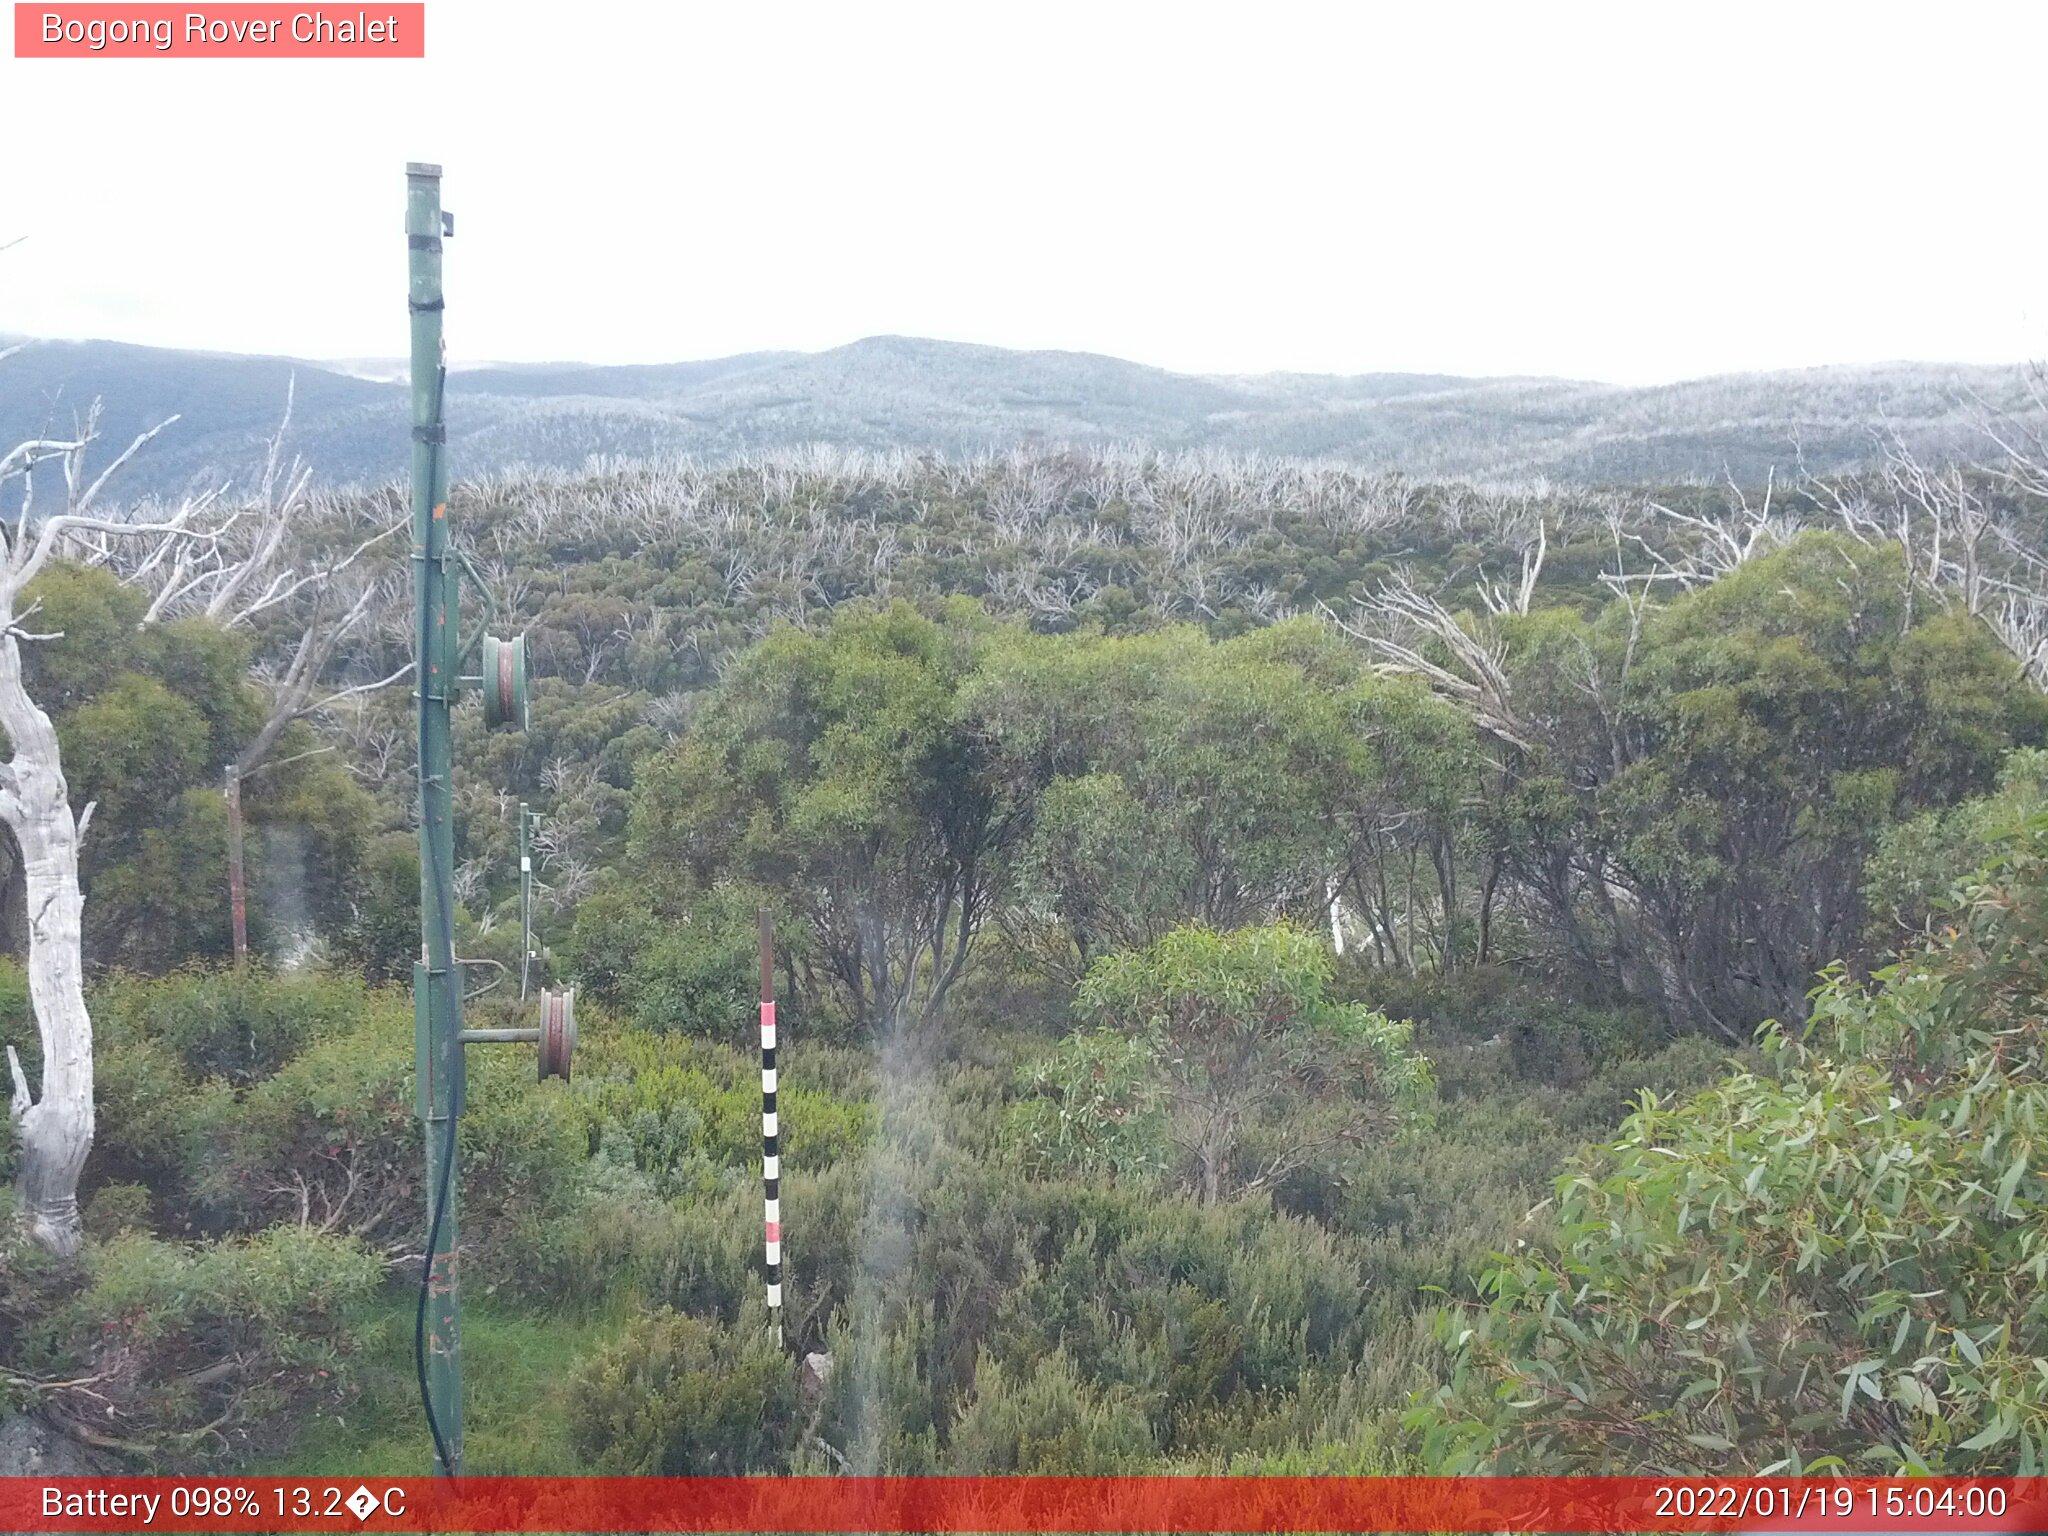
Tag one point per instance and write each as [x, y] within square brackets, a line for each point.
[771, 1141]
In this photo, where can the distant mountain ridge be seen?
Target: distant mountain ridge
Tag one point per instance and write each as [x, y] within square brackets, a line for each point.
[894, 392]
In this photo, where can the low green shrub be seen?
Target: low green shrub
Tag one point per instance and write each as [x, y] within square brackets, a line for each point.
[332, 1138]
[217, 1351]
[328, 1134]
[115, 1209]
[676, 1396]
[690, 1110]
[701, 1256]
[1048, 1418]
[238, 1025]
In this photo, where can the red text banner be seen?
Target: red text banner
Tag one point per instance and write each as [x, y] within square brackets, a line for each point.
[876, 1504]
[228, 31]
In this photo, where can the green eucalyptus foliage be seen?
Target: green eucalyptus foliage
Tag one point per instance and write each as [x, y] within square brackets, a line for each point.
[380, 937]
[696, 974]
[575, 765]
[613, 929]
[1265, 1071]
[1173, 779]
[1685, 824]
[1840, 1264]
[1097, 1103]
[1912, 875]
[1711, 774]
[828, 769]
[148, 717]
[1210, 1228]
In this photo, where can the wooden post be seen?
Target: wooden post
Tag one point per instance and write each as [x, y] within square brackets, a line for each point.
[238, 887]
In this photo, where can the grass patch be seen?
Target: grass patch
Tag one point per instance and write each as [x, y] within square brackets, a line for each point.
[516, 1366]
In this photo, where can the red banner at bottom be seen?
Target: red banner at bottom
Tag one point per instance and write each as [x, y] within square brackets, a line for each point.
[865, 1504]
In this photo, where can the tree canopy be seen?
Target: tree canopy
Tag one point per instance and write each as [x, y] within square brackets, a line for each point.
[1833, 1263]
[1215, 906]
[149, 717]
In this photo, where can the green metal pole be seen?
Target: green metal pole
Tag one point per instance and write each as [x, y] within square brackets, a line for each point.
[437, 990]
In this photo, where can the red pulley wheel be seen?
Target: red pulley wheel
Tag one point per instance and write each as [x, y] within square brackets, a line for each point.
[557, 1032]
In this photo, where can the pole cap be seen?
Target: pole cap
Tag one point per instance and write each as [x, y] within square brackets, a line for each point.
[421, 168]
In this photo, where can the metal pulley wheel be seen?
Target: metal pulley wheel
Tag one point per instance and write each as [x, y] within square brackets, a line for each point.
[504, 682]
[557, 1032]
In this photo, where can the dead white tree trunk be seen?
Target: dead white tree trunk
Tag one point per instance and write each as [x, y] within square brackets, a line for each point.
[1966, 531]
[55, 1126]
[55, 1129]
[1498, 599]
[188, 560]
[1401, 623]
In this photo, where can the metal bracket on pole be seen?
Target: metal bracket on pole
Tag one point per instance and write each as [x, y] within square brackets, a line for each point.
[555, 1034]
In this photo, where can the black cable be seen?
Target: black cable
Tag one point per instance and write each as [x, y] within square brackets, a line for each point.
[419, 1331]
[440, 1208]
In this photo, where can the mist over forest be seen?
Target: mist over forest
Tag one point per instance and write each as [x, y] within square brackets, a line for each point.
[891, 393]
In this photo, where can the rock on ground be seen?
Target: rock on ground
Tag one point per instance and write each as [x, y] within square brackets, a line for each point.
[31, 1447]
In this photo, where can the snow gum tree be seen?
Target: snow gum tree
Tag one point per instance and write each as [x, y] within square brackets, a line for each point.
[199, 557]
[55, 1126]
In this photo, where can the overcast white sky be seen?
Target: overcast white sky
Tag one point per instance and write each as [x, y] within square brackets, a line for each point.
[1637, 192]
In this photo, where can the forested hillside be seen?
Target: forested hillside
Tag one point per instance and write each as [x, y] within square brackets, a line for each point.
[889, 393]
[1258, 942]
